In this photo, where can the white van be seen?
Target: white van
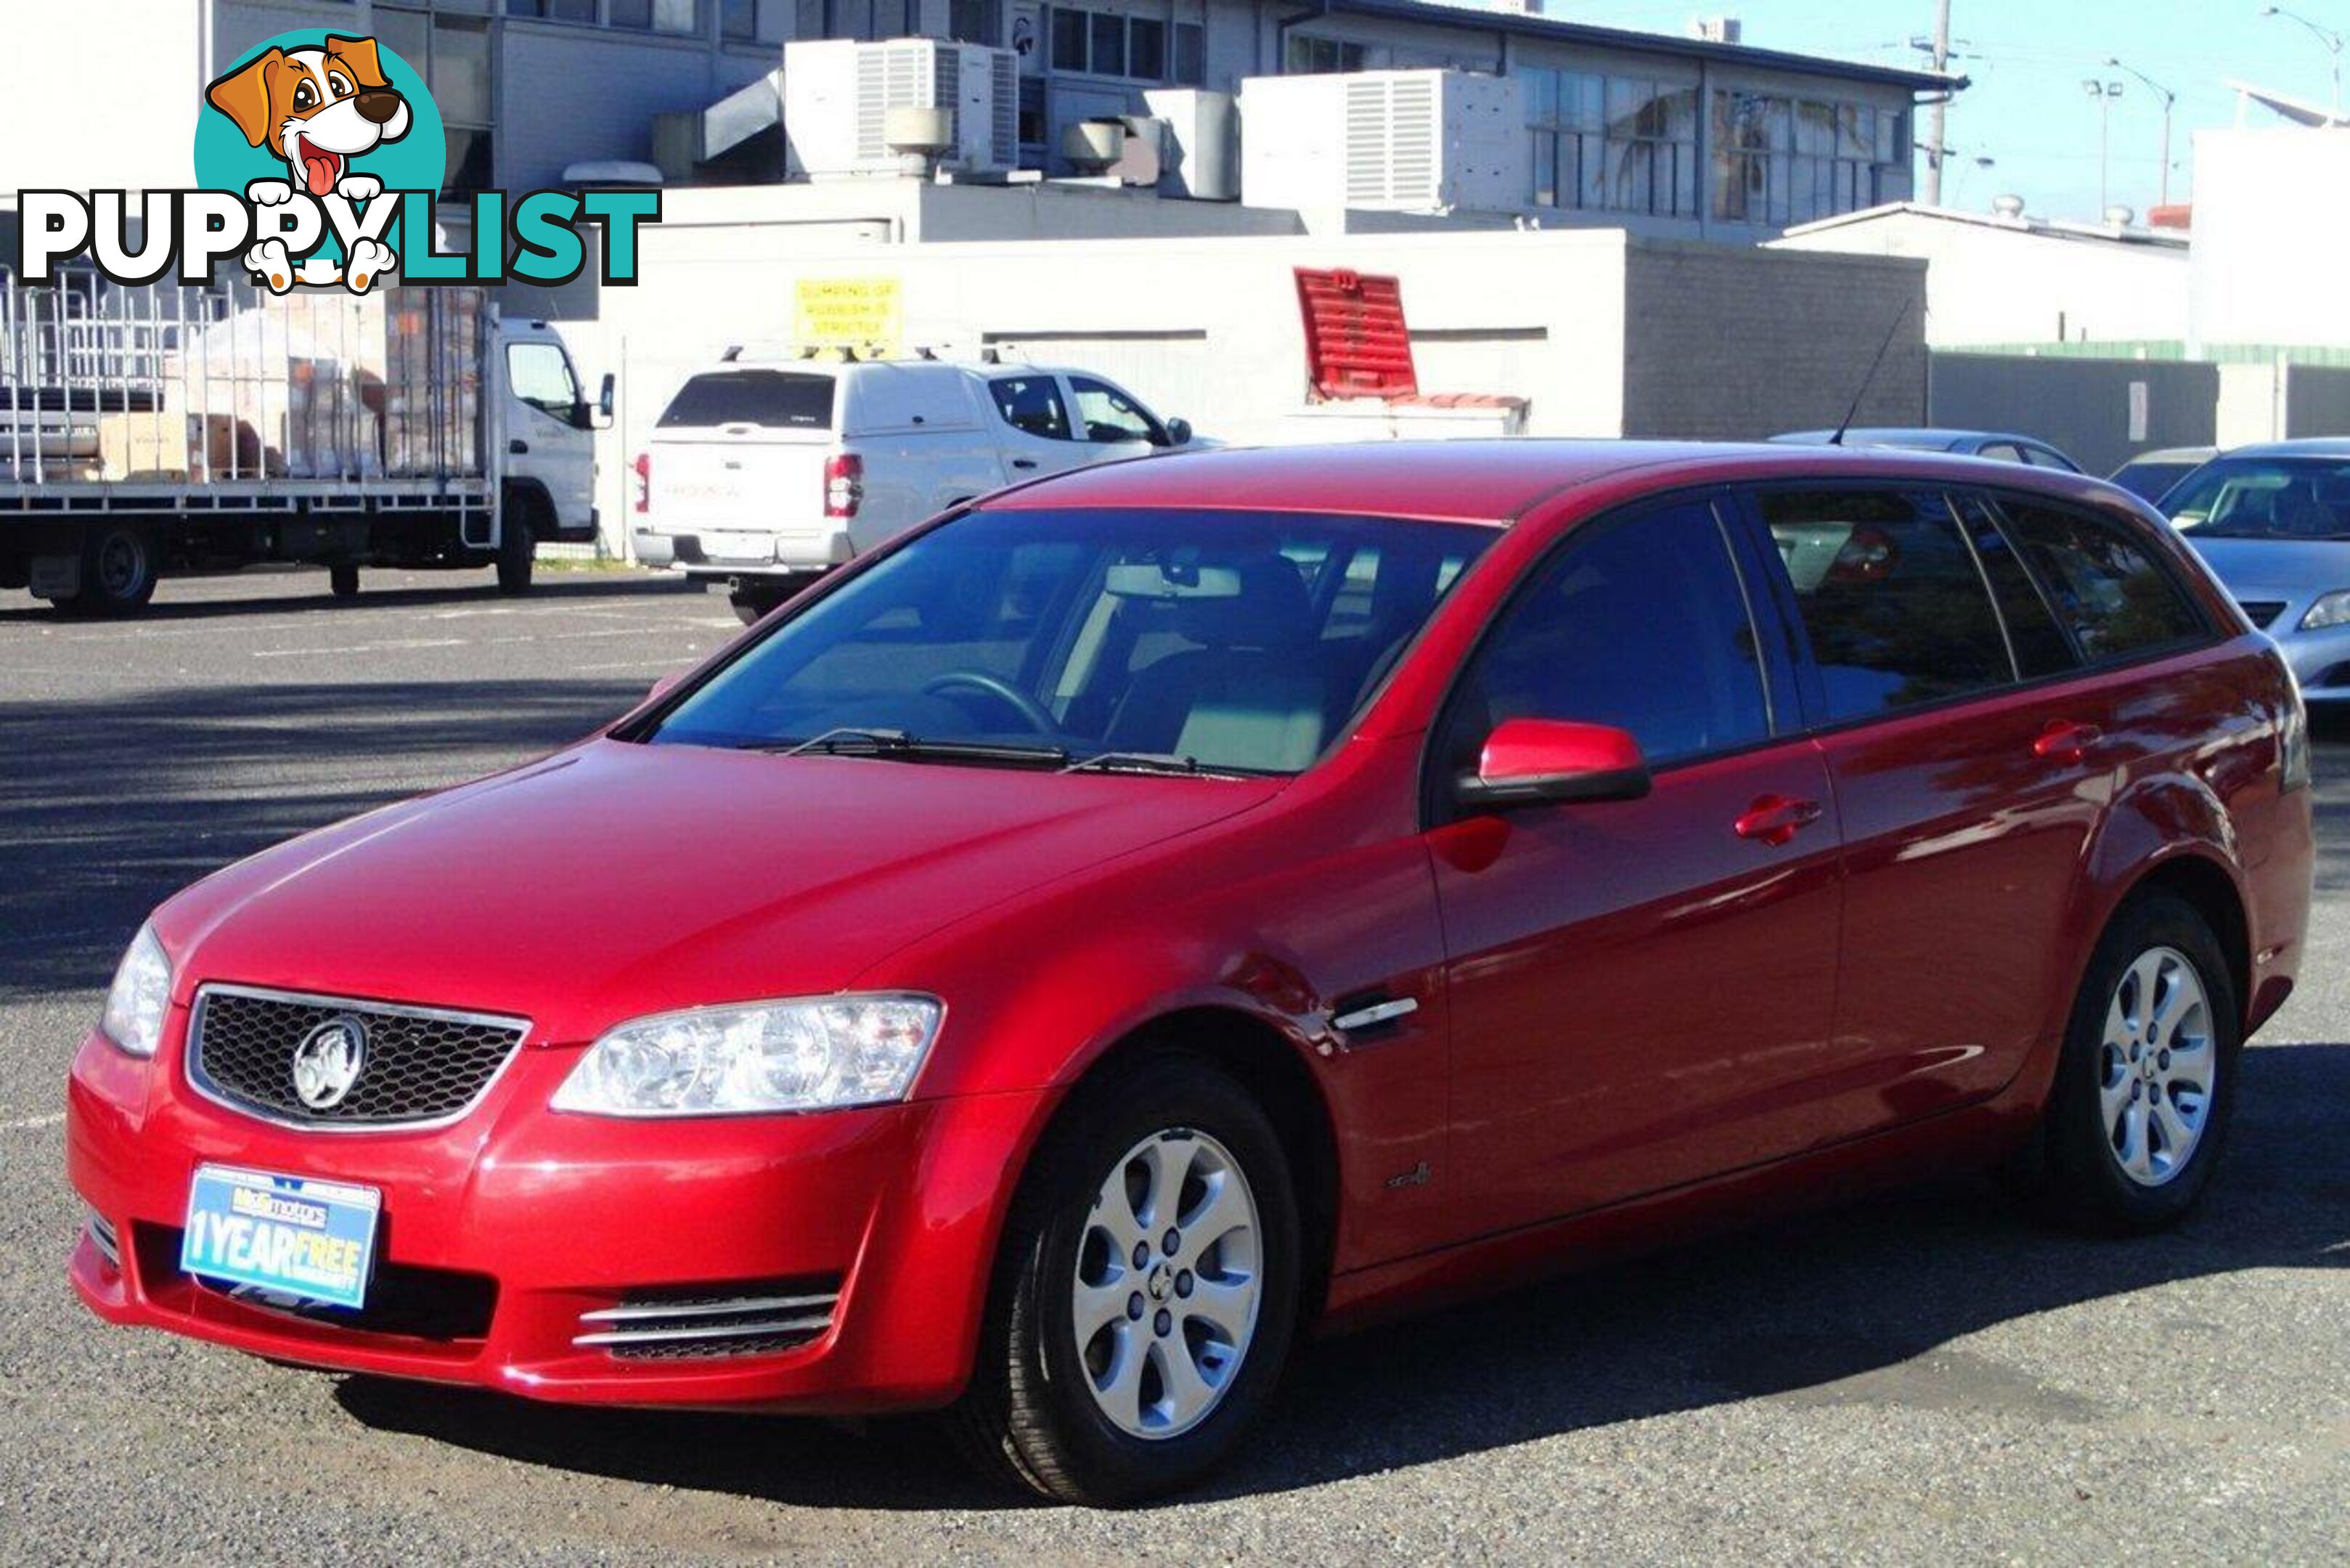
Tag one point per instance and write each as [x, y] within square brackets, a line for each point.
[766, 469]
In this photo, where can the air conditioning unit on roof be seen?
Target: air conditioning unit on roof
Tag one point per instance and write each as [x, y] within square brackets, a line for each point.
[1387, 141]
[837, 95]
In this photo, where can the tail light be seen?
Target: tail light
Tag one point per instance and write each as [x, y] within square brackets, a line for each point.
[644, 467]
[2292, 734]
[844, 484]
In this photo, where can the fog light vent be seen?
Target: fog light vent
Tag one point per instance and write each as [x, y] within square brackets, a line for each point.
[675, 1325]
[102, 1237]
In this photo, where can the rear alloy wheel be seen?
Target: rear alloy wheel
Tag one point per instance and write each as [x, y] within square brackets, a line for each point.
[118, 571]
[1147, 1291]
[2147, 1079]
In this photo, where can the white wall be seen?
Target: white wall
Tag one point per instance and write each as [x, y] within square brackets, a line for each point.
[1991, 284]
[2272, 231]
[59, 132]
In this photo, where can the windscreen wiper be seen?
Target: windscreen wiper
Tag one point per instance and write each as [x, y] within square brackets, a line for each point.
[1149, 762]
[855, 741]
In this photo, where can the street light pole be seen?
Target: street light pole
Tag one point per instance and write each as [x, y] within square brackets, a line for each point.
[2105, 93]
[2169, 102]
[2326, 35]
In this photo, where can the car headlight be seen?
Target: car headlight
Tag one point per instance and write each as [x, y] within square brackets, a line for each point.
[2331, 610]
[140, 996]
[817, 1053]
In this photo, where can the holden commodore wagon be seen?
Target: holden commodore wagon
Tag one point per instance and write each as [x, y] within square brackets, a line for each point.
[1147, 915]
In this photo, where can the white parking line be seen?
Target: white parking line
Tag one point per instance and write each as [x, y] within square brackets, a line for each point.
[26, 1124]
[360, 648]
[640, 663]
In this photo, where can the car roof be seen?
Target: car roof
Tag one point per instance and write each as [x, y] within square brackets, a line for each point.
[2321, 446]
[1487, 480]
[2175, 454]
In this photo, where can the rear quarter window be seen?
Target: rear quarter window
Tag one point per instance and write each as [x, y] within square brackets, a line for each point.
[2109, 588]
[774, 400]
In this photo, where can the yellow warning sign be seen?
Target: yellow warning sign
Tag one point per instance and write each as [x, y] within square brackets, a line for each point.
[847, 313]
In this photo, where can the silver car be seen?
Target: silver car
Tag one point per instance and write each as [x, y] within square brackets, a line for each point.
[2273, 521]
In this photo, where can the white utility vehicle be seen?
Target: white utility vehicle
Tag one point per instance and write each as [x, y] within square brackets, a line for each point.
[771, 467]
[150, 429]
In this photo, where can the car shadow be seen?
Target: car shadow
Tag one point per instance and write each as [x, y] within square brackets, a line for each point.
[1863, 1304]
[469, 587]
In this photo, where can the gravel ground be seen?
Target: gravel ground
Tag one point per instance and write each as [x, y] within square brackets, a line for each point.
[1928, 1376]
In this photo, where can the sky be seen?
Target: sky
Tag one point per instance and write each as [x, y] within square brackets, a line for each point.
[2027, 110]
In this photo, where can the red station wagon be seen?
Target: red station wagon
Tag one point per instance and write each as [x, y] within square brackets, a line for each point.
[1048, 965]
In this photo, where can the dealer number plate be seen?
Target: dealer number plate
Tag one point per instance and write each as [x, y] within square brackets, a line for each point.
[292, 1235]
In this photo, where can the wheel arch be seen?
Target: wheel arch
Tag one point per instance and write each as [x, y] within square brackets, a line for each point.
[531, 498]
[1271, 1065]
[2208, 887]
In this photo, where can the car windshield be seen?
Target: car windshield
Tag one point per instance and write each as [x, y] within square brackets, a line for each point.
[1164, 640]
[2264, 498]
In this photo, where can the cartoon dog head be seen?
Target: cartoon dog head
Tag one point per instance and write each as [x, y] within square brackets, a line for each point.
[317, 109]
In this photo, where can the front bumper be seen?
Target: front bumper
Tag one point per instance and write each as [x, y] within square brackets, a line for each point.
[2320, 660]
[513, 1234]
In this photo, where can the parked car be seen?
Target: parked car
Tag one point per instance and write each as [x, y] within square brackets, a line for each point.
[770, 468]
[1096, 936]
[2274, 523]
[1999, 446]
[2150, 475]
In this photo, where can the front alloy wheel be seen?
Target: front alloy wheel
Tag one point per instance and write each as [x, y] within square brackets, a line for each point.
[1147, 1290]
[1164, 1300]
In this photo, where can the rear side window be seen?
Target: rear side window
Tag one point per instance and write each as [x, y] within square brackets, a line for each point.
[1033, 404]
[1890, 596]
[2116, 597]
[1643, 626]
[2039, 644]
[774, 400]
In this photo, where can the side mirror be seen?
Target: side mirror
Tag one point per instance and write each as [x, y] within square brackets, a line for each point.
[1179, 433]
[604, 398]
[1534, 762]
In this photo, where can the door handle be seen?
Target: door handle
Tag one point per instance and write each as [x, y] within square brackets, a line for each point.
[1023, 463]
[1776, 819]
[518, 446]
[2067, 742]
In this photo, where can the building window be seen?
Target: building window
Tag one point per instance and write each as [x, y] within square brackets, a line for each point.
[1322, 57]
[977, 22]
[1650, 155]
[554, 10]
[1190, 54]
[1566, 121]
[452, 55]
[657, 15]
[1781, 162]
[1106, 43]
[755, 21]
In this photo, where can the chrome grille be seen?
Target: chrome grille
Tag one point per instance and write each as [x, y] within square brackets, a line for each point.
[420, 1067]
[681, 1326]
[2259, 612]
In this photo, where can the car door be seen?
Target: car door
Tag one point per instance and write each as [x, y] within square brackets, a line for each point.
[1033, 425]
[1966, 774]
[549, 437]
[1641, 990]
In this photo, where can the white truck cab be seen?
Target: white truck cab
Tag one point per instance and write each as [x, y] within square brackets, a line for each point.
[768, 468]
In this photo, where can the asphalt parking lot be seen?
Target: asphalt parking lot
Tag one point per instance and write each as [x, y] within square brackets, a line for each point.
[1926, 1377]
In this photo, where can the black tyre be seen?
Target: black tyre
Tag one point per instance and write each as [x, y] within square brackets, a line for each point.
[2138, 1116]
[118, 570]
[517, 550]
[344, 579]
[1146, 1294]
